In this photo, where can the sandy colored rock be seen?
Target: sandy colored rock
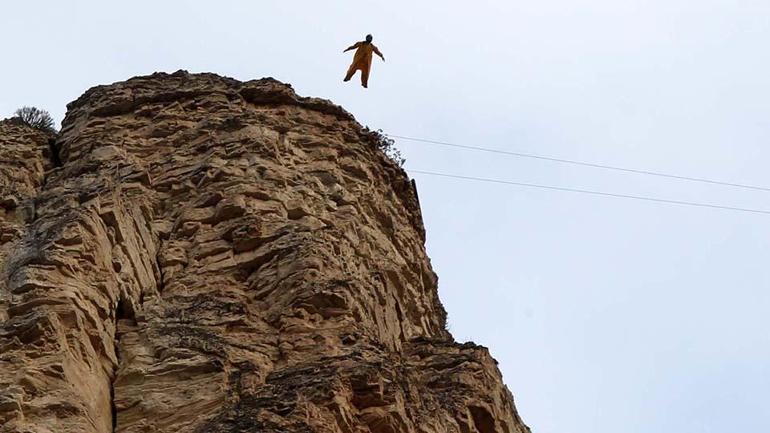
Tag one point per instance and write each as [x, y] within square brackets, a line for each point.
[199, 254]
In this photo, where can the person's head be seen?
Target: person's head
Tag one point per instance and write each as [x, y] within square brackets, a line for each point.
[369, 38]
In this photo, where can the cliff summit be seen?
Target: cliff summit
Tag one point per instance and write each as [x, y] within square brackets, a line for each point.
[198, 254]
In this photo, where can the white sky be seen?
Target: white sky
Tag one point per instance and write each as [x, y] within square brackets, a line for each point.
[606, 315]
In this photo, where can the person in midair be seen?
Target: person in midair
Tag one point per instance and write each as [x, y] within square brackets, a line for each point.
[362, 60]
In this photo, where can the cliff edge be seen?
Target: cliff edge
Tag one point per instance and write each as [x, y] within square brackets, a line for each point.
[198, 254]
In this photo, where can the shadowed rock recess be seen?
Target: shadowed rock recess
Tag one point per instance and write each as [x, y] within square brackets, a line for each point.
[200, 254]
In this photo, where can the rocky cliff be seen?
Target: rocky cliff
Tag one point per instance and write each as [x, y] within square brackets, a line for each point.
[198, 254]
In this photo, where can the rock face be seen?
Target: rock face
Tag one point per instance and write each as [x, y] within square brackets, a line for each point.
[198, 254]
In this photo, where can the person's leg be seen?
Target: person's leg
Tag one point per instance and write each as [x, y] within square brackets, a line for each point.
[351, 71]
[365, 77]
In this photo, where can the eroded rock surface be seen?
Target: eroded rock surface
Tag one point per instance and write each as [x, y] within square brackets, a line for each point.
[207, 255]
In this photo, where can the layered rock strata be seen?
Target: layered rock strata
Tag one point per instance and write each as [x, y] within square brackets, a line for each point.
[199, 254]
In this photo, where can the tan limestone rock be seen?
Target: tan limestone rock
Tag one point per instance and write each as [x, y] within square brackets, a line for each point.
[220, 256]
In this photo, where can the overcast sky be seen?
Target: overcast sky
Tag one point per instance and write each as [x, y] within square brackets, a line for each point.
[607, 315]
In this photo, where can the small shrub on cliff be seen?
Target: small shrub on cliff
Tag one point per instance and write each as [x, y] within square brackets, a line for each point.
[388, 146]
[36, 118]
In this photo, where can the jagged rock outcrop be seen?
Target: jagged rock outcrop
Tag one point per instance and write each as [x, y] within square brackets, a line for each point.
[198, 254]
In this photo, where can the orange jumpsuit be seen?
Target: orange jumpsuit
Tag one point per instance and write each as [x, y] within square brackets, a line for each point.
[362, 61]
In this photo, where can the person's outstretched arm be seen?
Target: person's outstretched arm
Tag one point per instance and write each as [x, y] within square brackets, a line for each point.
[352, 47]
[377, 51]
